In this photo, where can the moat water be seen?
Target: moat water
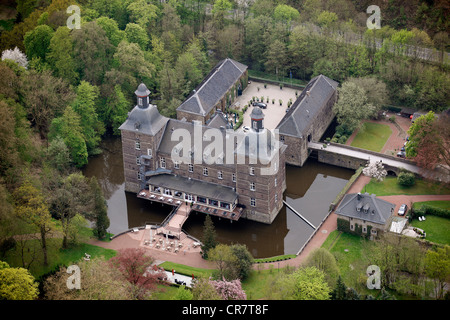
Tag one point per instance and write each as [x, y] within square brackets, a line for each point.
[310, 190]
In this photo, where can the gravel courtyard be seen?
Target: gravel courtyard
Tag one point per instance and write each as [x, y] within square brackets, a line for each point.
[274, 112]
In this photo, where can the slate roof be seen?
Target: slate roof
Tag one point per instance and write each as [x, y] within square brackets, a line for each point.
[307, 106]
[219, 120]
[213, 88]
[147, 120]
[193, 186]
[378, 210]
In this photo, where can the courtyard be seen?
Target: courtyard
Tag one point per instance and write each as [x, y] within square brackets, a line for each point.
[271, 95]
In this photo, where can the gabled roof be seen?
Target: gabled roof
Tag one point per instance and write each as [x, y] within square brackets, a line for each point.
[219, 120]
[312, 99]
[147, 120]
[365, 207]
[213, 88]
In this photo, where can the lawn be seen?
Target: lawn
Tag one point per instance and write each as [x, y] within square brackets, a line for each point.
[390, 187]
[56, 255]
[435, 227]
[436, 204]
[372, 136]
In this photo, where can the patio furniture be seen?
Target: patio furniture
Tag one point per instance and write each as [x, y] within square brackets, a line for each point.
[423, 218]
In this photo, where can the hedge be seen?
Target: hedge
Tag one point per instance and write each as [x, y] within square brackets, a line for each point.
[426, 209]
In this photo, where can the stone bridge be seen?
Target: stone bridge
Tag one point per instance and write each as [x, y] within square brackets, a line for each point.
[352, 158]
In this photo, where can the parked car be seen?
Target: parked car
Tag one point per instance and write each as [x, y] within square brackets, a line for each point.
[246, 128]
[401, 154]
[402, 149]
[260, 104]
[402, 210]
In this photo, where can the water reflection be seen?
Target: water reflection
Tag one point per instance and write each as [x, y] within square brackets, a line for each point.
[310, 190]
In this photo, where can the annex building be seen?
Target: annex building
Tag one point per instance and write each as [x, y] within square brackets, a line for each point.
[172, 160]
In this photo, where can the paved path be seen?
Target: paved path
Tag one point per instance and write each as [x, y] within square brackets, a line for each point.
[194, 259]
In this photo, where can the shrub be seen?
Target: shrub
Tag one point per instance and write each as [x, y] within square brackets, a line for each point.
[392, 119]
[406, 179]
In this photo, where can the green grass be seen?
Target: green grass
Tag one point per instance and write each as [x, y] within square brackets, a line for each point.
[275, 259]
[56, 255]
[389, 186]
[372, 136]
[435, 227]
[187, 270]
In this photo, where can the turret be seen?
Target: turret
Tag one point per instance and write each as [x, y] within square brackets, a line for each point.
[142, 94]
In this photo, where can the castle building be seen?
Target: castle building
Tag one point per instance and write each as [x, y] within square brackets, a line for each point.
[198, 159]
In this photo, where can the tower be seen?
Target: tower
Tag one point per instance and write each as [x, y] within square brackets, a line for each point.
[257, 117]
[142, 94]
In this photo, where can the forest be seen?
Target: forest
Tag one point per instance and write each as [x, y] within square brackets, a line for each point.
[63, 89]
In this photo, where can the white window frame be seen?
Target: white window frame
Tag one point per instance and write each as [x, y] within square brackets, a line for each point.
[150, 152]
[190, 167]
[162, 162]
[205, 171]
[138, 160]
[139, 176]
[233, 177]
[252, 186]
[137, 145]
[276, 182]
[253, 202]
[176, 165]
[252, 171]
[219, 175]
[140, 101]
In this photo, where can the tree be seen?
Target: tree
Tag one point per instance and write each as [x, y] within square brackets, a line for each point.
[229, 290]
[374, 89]
[98, 282]
[8, 140]
[85, 106]
[142, 12]
[244, 260]
[68, 127]
[225, 261]
[58, 154]
[323, 260]
[203, 289]
[428, 143]
[15, 55]
[375, 170]
[183, 294]
[437, 264]
[220, 9]
[340, 291]
[60, 55]
[115, 111]
[134, 264]
[326, 19]
[33, 209]
[100, 210]
[352, 106]
[304, 284]
[406, 179]
[209, 236]
[44, 98]
[111, 28]
[37, 42]
[92, 52]
[276, 58]
[134, 33]
[17, 283]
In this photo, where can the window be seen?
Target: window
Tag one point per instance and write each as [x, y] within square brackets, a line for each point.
[191, 167]
[214, 202]
[364, 230]
[140, 101]
[253, 202]
[167, 192]
[149, 152]
[176, 165]
[162, 162]
[201, 199]
[205, 171]
[255, 125]
[220, 175]
[352, 227]
[138, 160]
[139, 176]
[281, 138]
[233, 177]
[276, 182]
[137, 145]
[252, 186]
[276, 198]
[252, 171]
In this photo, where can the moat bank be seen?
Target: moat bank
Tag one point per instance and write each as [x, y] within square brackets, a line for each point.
[310, 190]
